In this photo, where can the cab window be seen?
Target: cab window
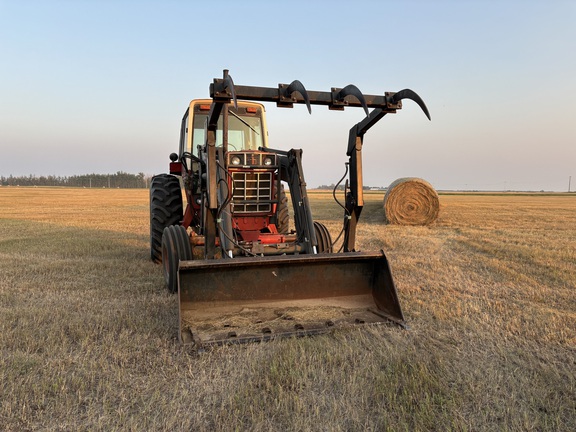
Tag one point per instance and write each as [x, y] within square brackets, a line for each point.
[244, 130]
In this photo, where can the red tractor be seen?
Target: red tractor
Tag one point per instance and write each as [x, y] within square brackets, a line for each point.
[239, 269]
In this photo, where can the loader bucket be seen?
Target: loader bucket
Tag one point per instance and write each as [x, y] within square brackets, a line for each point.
[261, 298]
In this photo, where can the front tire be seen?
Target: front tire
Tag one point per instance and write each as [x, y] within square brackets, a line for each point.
[283, 214]
[323, 238]
[165, 209]
[175, 248]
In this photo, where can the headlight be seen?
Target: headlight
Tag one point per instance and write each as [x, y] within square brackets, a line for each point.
[235, 160]
[268, 161]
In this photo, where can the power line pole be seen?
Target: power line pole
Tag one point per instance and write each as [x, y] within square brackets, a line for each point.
[569, 181]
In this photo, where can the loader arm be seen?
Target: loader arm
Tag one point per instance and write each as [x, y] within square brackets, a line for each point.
[291, 172]
[355, 196]
[213, 172]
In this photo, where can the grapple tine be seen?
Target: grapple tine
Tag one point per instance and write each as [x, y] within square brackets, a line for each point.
[350, 90]
[296, 86]
[412, 95]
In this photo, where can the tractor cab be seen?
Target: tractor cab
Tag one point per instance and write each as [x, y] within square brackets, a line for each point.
[246, 127]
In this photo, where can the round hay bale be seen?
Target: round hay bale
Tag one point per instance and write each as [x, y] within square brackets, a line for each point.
[411, 201]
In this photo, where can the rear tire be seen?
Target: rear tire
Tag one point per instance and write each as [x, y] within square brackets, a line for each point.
[283, 214]
[323, 238]
[165, 209]
[175, 248]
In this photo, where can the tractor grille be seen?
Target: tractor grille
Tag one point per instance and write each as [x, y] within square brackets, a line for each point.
[252, 192]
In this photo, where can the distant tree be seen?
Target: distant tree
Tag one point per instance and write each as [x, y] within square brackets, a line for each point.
[118, 180]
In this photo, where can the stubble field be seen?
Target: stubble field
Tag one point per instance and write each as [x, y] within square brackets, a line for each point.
[88, 333]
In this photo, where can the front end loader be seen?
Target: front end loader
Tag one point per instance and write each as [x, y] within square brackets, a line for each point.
[226, 245]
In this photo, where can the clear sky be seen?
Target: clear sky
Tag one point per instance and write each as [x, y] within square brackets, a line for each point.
[101, 86]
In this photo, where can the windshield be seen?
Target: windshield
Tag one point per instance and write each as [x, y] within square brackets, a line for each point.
[244, 131]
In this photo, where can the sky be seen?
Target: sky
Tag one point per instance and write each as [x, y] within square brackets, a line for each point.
[101, 86]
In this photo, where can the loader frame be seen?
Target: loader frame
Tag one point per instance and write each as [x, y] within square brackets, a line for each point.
[223, 91]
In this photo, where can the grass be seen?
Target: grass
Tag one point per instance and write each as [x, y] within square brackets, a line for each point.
[88, 334]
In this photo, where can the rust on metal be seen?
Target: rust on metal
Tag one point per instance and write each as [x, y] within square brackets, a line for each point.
[261, 298]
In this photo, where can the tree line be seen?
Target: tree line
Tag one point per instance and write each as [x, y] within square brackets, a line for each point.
[341, 187]
[119, 180]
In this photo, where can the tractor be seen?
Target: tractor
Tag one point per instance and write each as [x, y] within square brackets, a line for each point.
[221, 223]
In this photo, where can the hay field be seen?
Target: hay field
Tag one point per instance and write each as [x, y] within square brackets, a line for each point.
[88, 334]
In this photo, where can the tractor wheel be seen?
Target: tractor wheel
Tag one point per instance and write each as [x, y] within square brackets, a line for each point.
[165, 210]
[283, 215]
[175, 248]
[323, 237]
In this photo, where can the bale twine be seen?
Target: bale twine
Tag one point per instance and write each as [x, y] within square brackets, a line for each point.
[411, 201]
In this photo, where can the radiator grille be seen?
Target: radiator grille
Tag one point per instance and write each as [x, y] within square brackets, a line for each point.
[252, 192]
